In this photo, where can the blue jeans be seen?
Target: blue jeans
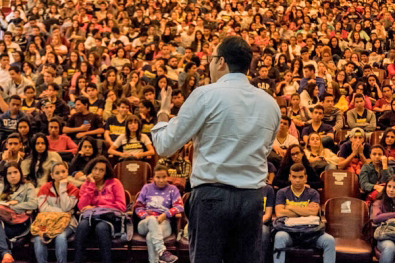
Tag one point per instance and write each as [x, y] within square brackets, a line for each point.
[154, 233]
[387, 249]
[325, 242]
[61, 246]
[266, 244]
[103, 236]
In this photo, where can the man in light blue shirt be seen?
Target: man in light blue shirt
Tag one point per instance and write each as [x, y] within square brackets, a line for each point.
[233, 126]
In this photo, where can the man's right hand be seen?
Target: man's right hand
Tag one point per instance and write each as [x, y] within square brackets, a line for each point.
[85, 127]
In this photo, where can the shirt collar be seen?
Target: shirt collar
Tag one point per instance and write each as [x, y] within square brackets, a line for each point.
[240, 77]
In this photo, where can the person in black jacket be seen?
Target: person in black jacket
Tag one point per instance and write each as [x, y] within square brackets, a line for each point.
[295, 154]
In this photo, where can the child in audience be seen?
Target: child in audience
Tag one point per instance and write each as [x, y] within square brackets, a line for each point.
[20, 197]
[57, 195]
[133, 143]
[100, 190]
[384, 209]
[37, 166]
[157, 203]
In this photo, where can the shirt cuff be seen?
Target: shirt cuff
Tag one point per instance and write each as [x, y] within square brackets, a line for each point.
[159, 126]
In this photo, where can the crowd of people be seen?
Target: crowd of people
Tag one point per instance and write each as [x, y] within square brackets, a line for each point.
[81, 84]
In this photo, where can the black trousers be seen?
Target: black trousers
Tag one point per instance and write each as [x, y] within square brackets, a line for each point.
[225, 224]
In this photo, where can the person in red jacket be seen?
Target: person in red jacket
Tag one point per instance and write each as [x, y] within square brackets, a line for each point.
[100, 190]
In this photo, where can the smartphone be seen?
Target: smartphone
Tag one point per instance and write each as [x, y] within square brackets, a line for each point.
[86, 122]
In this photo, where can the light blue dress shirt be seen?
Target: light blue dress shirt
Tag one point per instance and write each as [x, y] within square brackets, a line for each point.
[232, 124]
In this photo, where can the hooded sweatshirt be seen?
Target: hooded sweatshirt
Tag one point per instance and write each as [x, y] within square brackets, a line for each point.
[111, 196]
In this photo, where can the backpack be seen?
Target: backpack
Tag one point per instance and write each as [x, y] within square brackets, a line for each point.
[49, 225]
[386, 230]
[302, 235]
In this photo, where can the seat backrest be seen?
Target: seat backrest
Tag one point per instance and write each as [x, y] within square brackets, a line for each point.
[380, 73]
[376, 137]
[339, 183]
[346, 217]
[341, 135]
[133, 175]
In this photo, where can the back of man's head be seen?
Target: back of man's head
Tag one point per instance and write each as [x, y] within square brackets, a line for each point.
[237, 54]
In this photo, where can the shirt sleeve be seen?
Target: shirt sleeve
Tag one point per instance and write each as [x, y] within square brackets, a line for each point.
[270, 197]
[145, 139]
[280, 198]
[171, 136]
[118, 141]
[315, 196]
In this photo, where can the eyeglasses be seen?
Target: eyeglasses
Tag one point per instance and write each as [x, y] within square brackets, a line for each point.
[210, 58]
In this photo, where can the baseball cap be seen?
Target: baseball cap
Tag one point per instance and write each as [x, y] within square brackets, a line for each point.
[357, 132]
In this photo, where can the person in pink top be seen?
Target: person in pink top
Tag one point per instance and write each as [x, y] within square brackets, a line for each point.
[100, 190]
[58, 142]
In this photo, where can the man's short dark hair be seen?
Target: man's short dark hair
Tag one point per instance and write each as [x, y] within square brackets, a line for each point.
[14, 135]
[55, 119]
[319, 107]
[148, 88]
[125, 102]
[4, 55]
[83, 100]
[298, 167]
[189, 65]
[92, 86]
[387, 86]
[176, 92]
[310, 67]
[326, 95]
[359, 96]
[54, 86]
[367, 66]
[15, 68]
[236, 53]
[286, 118]
[304, 50]
[15, 97]
[115, 30]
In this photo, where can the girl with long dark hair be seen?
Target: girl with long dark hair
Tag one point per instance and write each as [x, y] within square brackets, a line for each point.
[295, 154]
[388, 142]
[37, 166]
[133, 143]
[20, 197]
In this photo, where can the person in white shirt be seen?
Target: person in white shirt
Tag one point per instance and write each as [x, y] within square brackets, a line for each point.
[116, 35]
[11, 46]
[188, 37]
[90, 42]
[230, 160]
[283, 138]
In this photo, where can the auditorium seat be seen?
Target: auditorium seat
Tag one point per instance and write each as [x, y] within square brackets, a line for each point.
[376, 137]
[339, 183]
[133, 175]
[345, 220]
